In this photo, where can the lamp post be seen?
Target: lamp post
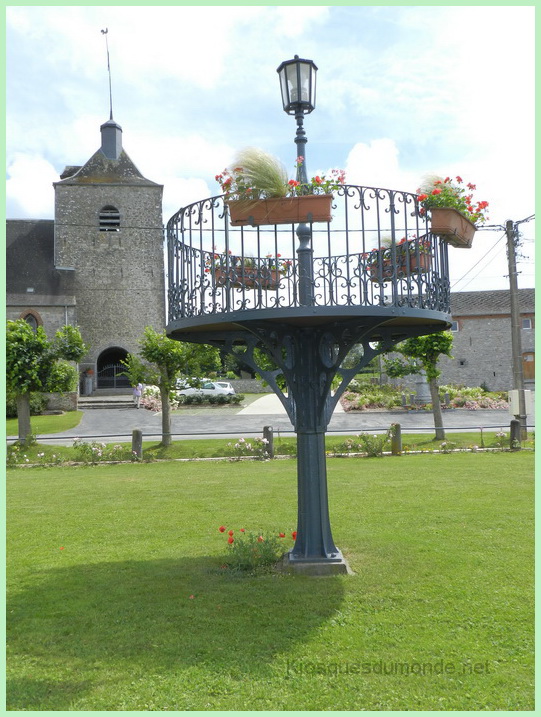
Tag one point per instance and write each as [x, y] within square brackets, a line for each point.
[314, 546]
[298, 86]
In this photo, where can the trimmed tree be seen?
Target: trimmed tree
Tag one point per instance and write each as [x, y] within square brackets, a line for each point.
[30, 359]
[168, 359]
[423, 352]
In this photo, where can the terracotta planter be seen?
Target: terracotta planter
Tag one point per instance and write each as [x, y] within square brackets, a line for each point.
[406, 263]
[249, 278]
[283, 210]
[415, 265]
[453, 227]
[386, 273]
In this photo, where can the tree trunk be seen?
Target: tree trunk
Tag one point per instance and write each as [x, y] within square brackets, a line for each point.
[166, 417]
[436, 409]
[23, 416]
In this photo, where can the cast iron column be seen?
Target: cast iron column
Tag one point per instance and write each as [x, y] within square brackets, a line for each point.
[314, 549]
[310, 387]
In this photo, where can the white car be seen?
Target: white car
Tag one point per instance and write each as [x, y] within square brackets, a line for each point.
[207, 388]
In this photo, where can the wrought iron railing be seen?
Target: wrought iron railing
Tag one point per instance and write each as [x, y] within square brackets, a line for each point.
[377, 251]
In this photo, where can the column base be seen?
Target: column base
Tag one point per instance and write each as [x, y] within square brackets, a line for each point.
[315, 568]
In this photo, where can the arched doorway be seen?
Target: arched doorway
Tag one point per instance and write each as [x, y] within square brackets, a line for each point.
[110, 369]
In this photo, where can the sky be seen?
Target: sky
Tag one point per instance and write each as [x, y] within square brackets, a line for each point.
[402, 92]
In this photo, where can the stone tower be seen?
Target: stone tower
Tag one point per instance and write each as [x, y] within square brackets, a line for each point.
[109, 236]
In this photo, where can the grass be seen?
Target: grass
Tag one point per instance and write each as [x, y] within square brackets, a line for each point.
[218, 447]
[135, 613]
[47, 424]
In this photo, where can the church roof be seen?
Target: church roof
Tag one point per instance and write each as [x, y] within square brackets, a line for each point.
[109, 165]
[101, 170]
[30, 261]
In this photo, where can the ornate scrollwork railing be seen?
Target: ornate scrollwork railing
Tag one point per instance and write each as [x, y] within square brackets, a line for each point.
[377, 251]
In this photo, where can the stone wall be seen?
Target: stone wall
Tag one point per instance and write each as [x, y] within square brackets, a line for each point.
[482, 353]
[119, 275]
[61, 401]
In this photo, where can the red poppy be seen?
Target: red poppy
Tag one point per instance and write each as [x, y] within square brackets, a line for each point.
[242, 530]
[230, 533]
[260, 539]
[281, 535]
[294, 535]
[231, 540]
[222, 528]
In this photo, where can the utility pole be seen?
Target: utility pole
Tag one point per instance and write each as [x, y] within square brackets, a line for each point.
[516, 344]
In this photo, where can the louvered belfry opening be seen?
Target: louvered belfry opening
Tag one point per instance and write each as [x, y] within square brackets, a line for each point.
[109, 219]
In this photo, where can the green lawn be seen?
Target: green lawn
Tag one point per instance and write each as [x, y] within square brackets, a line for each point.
[135, 612]
[47, 424]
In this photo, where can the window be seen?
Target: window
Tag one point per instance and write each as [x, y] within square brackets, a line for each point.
[526, 323]
[454, 326]
[109, 219]
[32, 318]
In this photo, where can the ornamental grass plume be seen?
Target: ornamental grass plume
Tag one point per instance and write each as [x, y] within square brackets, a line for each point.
[436, 193]
[255, 174]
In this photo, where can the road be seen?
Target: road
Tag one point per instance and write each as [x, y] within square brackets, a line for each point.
[117, 424]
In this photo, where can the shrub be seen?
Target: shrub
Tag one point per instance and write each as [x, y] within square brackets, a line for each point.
[257, 447]
[373, 445]
[94, 452]
[38, 402]
[62, 378]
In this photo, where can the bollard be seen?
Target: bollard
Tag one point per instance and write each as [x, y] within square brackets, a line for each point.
[137, 443]
[396, 439]
[268, 434]
[514, 435]
[447, 400]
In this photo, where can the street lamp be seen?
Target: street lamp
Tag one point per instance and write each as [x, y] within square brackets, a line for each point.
[298, 87]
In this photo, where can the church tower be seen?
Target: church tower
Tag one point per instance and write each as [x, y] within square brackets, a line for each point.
[108, 236]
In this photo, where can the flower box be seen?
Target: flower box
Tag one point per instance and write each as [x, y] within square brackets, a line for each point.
[281, 210]
[247, 277]
[415, 264]
[383, 273]
[452, 226]
[406, 263]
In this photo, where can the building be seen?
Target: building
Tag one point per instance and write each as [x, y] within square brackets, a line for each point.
[482, 351]
[99, 264]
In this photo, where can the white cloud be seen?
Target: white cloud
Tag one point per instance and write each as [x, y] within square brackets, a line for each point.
[377, 165]
[293, 21]
[402, 91]
[180, 193]
[29, 191]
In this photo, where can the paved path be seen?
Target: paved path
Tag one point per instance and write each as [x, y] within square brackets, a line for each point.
[117, 424]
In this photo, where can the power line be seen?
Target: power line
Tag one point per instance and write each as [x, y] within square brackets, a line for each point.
[477, 263]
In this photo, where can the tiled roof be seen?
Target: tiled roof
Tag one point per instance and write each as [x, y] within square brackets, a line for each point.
[475, 303]
[30, 259]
